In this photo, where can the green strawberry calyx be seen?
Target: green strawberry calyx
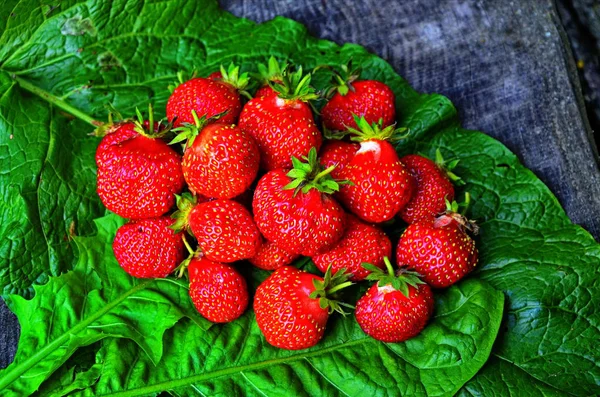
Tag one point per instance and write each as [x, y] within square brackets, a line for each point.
[294, 85]
[447, 166]
[311, 175]
[180, 270]
[271, 72]
[342, 78]
[455, 212]
[232, 76]
[399, 280]
[366, 131]
[325, 290]
[185, 204]
[188, 131]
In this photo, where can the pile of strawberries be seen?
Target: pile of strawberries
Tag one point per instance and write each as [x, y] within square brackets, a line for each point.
[256, 183]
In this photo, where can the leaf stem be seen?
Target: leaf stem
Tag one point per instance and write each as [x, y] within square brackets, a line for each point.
[56, 101]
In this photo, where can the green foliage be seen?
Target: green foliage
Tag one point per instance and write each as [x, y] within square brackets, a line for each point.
[59, 66]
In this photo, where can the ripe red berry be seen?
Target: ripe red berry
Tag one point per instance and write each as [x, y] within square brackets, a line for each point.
[271, 257]
[218, 291]
[148, 248]
[337, 153]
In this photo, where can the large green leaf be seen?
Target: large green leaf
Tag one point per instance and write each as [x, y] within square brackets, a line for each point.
[95, 300]
[74, 58]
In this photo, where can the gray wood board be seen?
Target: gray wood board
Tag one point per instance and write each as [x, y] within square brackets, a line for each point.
[506, 65]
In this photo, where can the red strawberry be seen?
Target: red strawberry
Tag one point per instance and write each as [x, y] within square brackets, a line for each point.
[396, 308]
[292, 306]
[271, 73]
[283, 124]
[220, 160]
[370, 99]
[224, 228]
[439, 249]
[433, 187]
[295, 210]
[380, 185]
[208, 97]
[218, 291]
[361, 243]
[138, 174]
[148, 248]
[338, 153]
[271, 257]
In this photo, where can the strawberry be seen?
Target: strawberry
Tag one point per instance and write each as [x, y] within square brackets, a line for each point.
[295, 210]
[148, 248]
[433, 186]
[218, 291]
[396, 307]
[283, 124]
[338, 153]
[269, 74]
[271, 257]
[370, 99]
[361, 243]
[292, 306]
[138, 173]
[208, 97]
[224, 228]
[439, 249]
[220, 160]
[380, 185]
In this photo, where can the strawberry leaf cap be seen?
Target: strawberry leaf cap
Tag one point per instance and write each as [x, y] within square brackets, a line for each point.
[447, 166]
[325, 290]
[271, 72]
[342, 79]
[311, 175]
[185, 204]
[188, 131]
[456, 212]
[399, 280]
[149, 128]
[366, 131]
[294, 85]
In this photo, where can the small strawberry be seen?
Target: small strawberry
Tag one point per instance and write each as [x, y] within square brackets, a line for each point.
[292, 306]
[208, 97]
[271, 257]
[294, 208]
[337, 153]
[370, 99]
[361, 243]
[218, 291]
[148, 248]
[433, 186]
[395, 308]
[224, 228]
[138, 173]
[220, 160]
[380, 185]
[269, 74]
[439, 249]
[283, 125]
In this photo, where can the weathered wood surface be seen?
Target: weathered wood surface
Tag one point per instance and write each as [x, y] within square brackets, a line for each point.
[506, 65]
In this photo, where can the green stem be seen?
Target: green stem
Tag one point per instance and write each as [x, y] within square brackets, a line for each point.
[388, 265]
[321, 174]
[59, 103]
[339, 287]
[187, 245]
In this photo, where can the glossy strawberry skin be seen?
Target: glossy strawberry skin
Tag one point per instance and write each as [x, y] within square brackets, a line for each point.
[338, 153]
[439, 250]
[218, 291]
[361, 243]
[222, 161]
[432, 190]
[225, 230]
[265, 90]
[307, 223]
[286, 315]
[281, 129]
[208, 97]
[148, 248]
[271, 257]
[380, 187]
[138, 176]
[387, 315]
[372, 99]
